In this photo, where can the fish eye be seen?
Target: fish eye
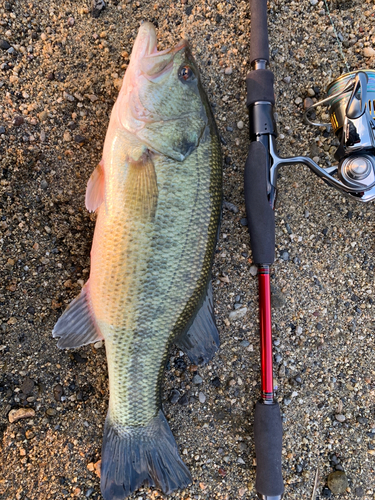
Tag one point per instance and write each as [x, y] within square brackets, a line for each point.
[186, 73]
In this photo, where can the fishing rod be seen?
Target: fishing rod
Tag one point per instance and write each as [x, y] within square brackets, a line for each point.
[351, 106]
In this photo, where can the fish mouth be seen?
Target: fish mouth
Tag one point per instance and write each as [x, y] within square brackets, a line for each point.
[155, 64]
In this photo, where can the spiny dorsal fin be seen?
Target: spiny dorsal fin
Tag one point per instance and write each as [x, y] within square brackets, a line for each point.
[141, 189]
[95, 188]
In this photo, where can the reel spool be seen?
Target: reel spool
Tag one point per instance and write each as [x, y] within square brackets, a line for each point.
[351, 101]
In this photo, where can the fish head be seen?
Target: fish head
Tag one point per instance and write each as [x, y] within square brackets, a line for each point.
[161, 100]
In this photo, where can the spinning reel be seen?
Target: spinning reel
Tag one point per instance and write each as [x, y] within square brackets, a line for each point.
[351, 101]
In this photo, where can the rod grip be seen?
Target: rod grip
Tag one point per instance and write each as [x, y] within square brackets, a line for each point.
[260, 215]
[268, 446]
[259, 34]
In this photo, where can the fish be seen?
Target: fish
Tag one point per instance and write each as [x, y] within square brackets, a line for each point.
[157, 194]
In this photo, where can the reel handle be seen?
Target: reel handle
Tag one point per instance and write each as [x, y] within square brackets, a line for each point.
[260, 215]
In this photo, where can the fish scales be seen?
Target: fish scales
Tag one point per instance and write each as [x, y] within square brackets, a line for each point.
[158, 194]
[163, 290]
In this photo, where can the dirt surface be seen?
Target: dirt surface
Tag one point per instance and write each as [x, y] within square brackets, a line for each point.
[60, 70]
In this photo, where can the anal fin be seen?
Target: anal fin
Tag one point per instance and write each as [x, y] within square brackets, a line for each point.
[76, 327]
[201, 340]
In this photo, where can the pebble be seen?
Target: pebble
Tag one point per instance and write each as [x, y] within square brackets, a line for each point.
[337, 482]
[15, 415]
[298, 100]
[202, 397]
[254, 270]
[197, 380]
[44, 184]
[58, 391]
[4, 45]
[43, 115]
[229, 70]
[340, 417]
[308, 102]
[216, 382]
[237, 314]
[240, 125]
[174, 396]
[368, 52]
[287, 79]
[18, 121]
[2, 130]
[231, 207]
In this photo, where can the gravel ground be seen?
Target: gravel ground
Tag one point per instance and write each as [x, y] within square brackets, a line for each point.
[59, 77]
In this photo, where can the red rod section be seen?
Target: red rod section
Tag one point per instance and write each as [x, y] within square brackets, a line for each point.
[265, 333]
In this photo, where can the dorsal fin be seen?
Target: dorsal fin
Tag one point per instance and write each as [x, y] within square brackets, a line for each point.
[95, 188]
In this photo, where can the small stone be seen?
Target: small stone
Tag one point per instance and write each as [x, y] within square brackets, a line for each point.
[216, 382]
[368, 52]
[80, 139]
[244, 343]
[15, 415]
[340, 417]
[240, 461]
[67, 137]
[307, 103]
[285, 255]
[18, 121]
[311, 92]
[240, 124]
[43, 115]
[202, 398]
[287, 401]
[174, 396]
[44, 184]
[287, 79]
[314, 2]
[326, 492]
[253, 270]
[298, 100]
[359, 491]
[237, 314]
[197, 380]
[2, 130]
[231, 207]
[229, 70]
[51, 412]
[183, 400]
[278, 358]
[58, 391]
[68, 97]
[71, 21]
[337, 482]
[99, 344]
[243, 221]
[4, 45]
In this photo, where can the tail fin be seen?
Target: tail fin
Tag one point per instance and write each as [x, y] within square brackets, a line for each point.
[133, 456]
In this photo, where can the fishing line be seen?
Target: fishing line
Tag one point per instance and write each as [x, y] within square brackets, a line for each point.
[337, 37]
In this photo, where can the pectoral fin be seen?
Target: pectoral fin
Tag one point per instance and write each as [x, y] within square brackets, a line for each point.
[141, 189]
[95, 188]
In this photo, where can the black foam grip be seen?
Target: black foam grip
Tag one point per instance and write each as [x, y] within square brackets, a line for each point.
[259, 85]
[268, 445]
[259, 34]
[260, 215]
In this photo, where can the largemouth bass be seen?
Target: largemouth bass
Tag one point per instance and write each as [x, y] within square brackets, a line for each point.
[158, 194]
